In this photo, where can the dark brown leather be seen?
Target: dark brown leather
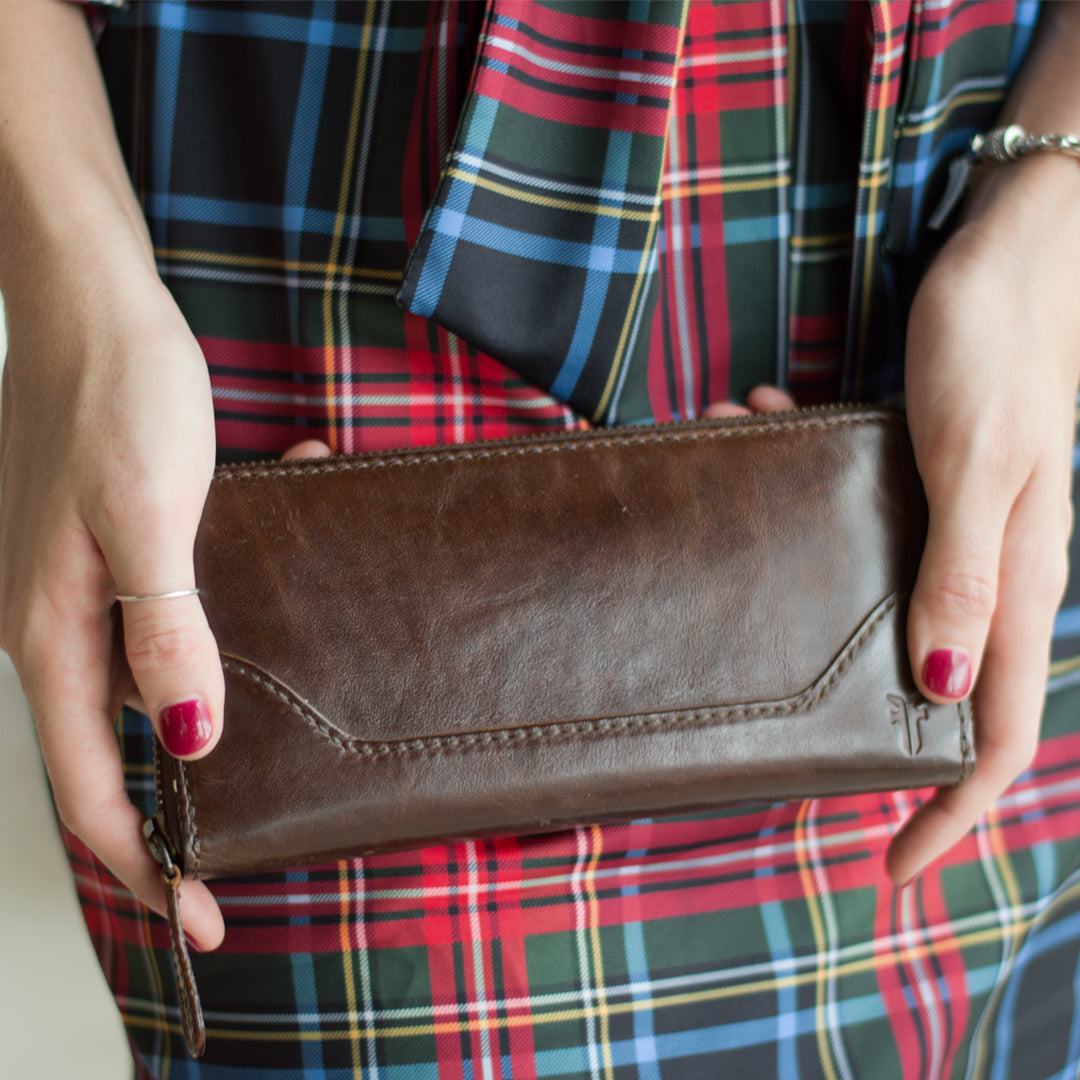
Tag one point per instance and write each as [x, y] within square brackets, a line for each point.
[187, 991]
[519, 636]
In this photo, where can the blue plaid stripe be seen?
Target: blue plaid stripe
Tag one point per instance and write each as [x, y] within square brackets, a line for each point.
[293, 220]
[604, 258]
[167, 81]
[444, 223]
[306, 992]
[302, 142]
[320, 27]
[1067, 623]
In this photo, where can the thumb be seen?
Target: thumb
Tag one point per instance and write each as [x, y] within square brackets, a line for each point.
[169, 646]
[955, 594]
[309, 448]
[174, 660]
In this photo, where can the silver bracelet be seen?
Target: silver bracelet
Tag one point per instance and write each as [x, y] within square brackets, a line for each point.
[1011, 143]
[1002, 146]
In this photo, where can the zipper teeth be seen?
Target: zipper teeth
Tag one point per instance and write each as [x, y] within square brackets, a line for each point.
[618, 429]
[158, 786]
[160, 821]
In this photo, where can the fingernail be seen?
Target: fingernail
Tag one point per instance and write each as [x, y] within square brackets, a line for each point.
[947, 672]
[192, 943]
[185, 727]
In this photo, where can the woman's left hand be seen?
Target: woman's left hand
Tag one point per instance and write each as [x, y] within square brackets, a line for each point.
[993, 353]
[993, 360]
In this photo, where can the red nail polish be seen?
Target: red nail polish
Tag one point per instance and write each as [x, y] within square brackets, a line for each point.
[185, 727]
[192, 943]
[947, 672]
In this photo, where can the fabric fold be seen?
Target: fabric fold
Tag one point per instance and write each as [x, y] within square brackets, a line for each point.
[540, 243]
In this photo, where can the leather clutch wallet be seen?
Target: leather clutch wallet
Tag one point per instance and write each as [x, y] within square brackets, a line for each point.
[519, 636]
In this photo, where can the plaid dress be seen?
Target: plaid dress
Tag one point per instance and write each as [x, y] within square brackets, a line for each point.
[402, 224]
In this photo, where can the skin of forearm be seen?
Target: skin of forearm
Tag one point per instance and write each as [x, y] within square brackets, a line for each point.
[64, 189]
[1047, 94]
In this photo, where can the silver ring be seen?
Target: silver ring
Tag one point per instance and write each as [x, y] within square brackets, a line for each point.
[157, 596]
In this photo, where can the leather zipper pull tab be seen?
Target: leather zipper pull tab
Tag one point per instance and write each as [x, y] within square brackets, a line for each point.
[186, 988]
[959, 173]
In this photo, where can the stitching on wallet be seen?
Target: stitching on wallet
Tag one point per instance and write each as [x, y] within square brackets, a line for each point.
[232, 472]
[966, 756]
[438, 745]
[183, 974]
[196, 843]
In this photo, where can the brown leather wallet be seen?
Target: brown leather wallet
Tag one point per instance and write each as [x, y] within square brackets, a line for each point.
[520, 636]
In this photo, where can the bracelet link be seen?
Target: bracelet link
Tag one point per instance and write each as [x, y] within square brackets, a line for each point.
[1001, 146]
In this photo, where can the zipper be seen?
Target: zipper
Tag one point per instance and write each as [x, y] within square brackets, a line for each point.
[186, 988]
[158, 843]
[779, 418]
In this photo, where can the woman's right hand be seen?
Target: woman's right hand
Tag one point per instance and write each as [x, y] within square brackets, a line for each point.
[106, 454]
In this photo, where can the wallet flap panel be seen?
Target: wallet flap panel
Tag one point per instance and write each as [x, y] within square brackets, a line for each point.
[342, 736]
[430, 595]
[863, 728]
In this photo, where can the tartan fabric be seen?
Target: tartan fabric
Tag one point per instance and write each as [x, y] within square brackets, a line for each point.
[756, 231]
[286, 155]
[937, 77]
[539, 245]
[777, 256]
[250, 133]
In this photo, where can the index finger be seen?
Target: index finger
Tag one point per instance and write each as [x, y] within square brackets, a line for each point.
[1008, 697]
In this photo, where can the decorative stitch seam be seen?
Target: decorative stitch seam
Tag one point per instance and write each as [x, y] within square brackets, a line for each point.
[440, 745]
[966, 757]
[183, 978]
[196, 843]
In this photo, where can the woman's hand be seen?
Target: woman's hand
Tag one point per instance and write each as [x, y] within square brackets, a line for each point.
[106, 454]
[106, 450]
[993, 354]
[993, 361]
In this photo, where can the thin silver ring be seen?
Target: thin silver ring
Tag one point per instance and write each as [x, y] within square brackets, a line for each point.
[158, 596]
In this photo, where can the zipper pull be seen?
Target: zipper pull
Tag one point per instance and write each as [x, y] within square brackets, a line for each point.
[186, 988]
[959, 173]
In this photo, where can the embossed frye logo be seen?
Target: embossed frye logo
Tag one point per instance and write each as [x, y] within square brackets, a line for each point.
[910, 716]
